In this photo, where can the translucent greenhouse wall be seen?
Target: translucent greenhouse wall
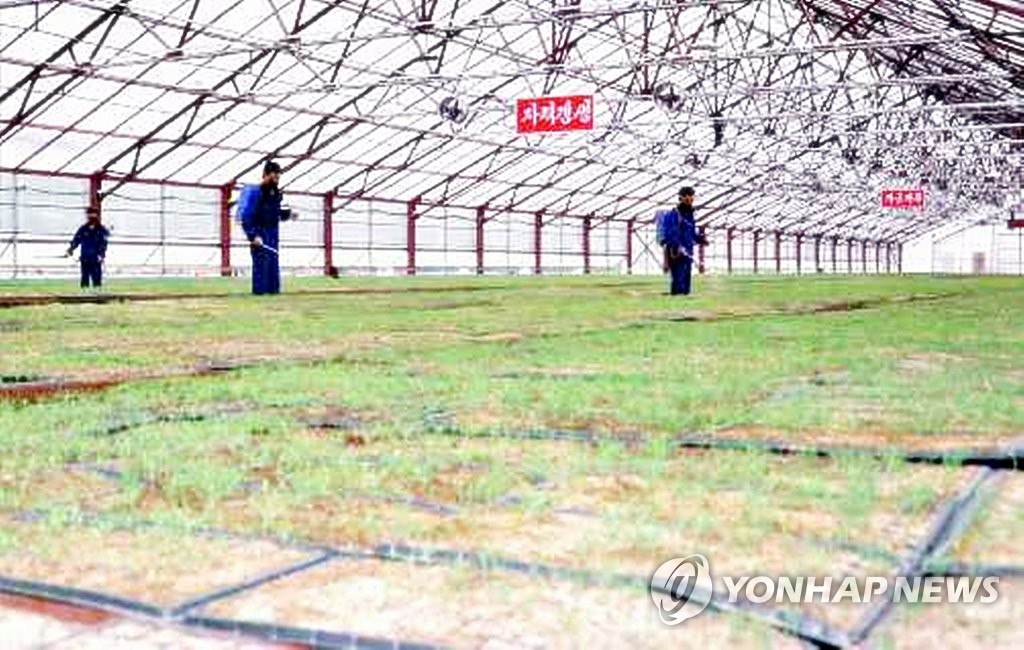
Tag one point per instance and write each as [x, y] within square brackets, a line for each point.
[168, 229]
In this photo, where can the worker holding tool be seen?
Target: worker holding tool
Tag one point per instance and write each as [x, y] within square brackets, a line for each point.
[677, 233]
[260, 211]
[92, 237]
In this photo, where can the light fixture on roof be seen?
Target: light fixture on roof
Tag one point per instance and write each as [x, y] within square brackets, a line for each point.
[718, 125]
[451, 110]
[935, 91]
[666, 96]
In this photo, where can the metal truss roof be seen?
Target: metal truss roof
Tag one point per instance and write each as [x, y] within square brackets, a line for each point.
[785, 114]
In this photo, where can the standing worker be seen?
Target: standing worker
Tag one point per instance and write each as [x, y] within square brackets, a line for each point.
[677, 233]
[92, 237]
[260, 211]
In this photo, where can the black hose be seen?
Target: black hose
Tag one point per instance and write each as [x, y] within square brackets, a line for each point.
[951, 518]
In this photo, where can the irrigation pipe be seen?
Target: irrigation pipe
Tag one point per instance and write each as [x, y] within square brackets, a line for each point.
[815, 632]
[300, 636]
[1010, 458]
[952, 518]
[972, 569]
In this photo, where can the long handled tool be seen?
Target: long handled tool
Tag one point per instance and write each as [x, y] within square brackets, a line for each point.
[264, 247]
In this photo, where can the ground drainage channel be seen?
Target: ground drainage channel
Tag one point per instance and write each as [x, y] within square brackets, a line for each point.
[34, 300]
[38, 391]
[18, 388]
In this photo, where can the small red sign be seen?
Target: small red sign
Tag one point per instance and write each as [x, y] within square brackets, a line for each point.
[551, 114]
[1015, 224]
[896, 199]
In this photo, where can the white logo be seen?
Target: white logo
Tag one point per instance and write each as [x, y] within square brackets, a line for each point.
[681, 588]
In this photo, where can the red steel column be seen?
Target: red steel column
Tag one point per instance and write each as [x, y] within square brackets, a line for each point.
[757, 249]
[878, 257]
[728, 250]
[799, 252]
[849, 256]
[864, 255]
[95, 185]
[410, 235]
[778, 251]
[835, 262]
[225, 230]
[538, 224]
[700, 256]
[630, 227]
[817, 254]
[888, 257]
[329, 234]
[586, 244]
[481, 219]
[899, 259]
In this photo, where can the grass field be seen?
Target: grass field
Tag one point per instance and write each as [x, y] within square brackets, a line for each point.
[445, 414]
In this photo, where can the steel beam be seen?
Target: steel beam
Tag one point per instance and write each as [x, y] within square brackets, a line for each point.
[109, 14]
[329, 269]
[96, 192]
[700, 249]
[778, 252]
[587, 220]
[538, 225]
[630, 229]
[728, 250]
[757, 250]
[225, 230]
[481, 219]
[410, 235]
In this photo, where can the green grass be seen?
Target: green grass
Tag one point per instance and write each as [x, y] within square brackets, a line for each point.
[418, 374]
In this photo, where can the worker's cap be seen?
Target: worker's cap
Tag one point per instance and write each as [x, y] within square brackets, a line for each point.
[686, 191]
[271, 167]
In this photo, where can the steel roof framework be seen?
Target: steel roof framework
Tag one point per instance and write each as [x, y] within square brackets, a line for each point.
[819, 103]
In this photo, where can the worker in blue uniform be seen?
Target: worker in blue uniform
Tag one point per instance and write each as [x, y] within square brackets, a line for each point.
[680, 236]
[92, 238]
[260, 211]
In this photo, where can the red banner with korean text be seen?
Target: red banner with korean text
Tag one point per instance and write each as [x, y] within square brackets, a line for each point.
[552, 114]
[898, 199]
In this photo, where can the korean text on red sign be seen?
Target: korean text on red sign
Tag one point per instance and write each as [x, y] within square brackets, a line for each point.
[896, 199]
[547, 114]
